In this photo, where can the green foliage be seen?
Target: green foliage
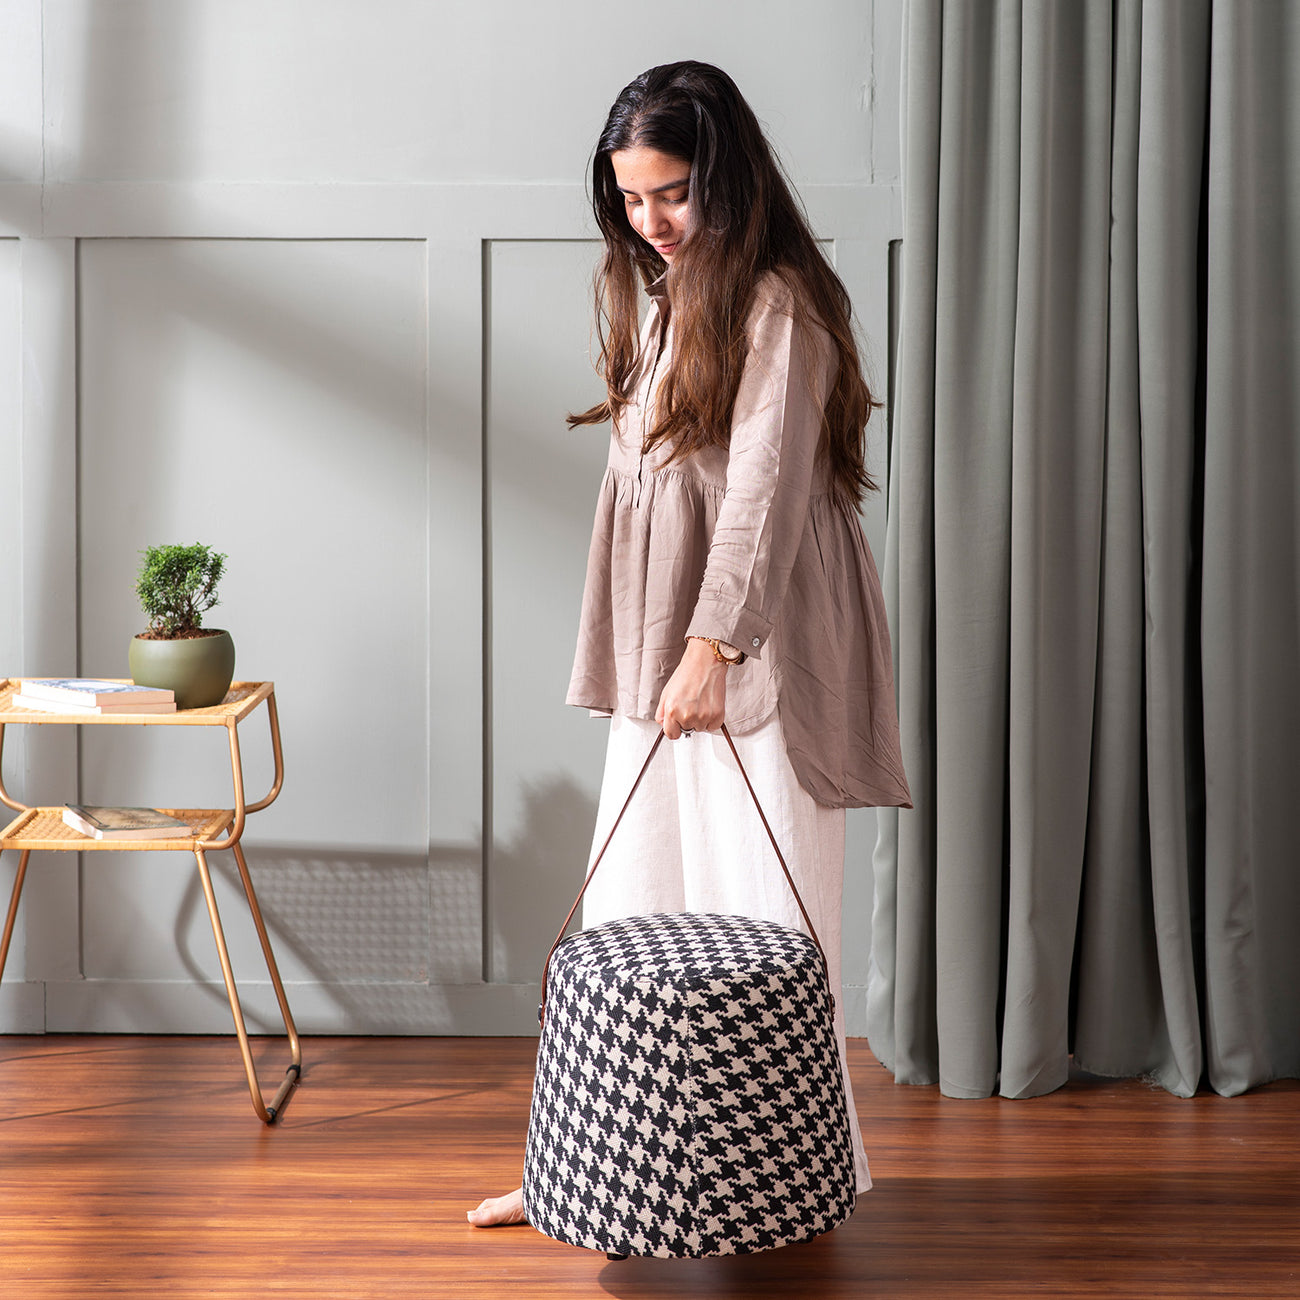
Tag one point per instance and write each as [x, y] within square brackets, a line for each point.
[175, 586]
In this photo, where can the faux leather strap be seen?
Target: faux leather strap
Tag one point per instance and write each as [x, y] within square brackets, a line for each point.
[780, 857]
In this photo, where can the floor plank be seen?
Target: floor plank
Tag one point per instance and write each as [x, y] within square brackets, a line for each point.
[130, 1165]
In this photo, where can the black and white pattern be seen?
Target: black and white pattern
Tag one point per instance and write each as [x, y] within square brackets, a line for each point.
[688, 1098]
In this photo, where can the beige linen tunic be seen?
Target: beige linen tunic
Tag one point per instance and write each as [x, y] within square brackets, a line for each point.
[748, 545]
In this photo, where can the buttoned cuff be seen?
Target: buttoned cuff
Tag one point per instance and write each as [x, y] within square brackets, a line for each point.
[742, 628]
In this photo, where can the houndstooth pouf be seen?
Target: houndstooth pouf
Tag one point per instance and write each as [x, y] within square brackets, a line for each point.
[688, 1099]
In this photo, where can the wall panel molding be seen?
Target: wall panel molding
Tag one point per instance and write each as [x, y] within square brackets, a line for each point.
[490, 211]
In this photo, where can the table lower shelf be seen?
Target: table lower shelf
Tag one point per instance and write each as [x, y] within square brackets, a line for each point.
[45, 829]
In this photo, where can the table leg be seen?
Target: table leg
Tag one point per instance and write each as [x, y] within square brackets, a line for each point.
[295, 1047]
[14, 896]
[293, 1073]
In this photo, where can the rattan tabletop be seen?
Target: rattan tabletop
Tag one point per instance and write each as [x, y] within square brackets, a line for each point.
[241, 699]
[45, 829]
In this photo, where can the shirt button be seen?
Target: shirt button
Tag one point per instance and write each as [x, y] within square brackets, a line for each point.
[755, 643]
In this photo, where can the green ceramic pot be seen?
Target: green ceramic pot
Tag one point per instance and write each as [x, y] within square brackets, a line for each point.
[198, 669]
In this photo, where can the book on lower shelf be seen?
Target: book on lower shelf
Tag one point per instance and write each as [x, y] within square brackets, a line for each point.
[124, 823]
[92, 695]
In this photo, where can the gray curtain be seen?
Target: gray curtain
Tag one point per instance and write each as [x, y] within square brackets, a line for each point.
[1092, 567]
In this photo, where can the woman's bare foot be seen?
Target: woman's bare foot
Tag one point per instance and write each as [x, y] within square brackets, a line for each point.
[498, 1211]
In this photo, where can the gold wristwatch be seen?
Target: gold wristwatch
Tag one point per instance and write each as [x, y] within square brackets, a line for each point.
[716, 646]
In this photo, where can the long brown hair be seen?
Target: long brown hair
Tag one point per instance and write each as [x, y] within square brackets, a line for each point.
[744, 221]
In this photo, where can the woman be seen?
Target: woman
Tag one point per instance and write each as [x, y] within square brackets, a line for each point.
[728, 578]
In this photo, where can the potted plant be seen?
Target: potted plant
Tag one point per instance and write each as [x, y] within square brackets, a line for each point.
[176, 586]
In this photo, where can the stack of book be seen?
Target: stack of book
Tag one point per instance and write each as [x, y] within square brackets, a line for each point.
[124, 823]
[83, 695]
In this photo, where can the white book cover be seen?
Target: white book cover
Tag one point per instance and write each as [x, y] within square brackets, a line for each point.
[91, 692]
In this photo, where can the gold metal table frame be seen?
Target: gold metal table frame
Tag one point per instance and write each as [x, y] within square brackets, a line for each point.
[211, 830]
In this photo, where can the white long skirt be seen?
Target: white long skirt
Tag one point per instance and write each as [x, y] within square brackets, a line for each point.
[692, 841]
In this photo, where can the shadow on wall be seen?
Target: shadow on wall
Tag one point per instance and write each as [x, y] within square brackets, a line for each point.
[380, 930]
[369, 926]
[535, 876]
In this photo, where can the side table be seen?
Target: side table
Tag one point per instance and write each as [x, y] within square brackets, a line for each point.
[210, 830]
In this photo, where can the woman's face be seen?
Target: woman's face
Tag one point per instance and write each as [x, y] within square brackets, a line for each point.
[655, 195]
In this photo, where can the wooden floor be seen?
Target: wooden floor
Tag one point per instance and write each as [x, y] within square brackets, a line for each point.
[134, 1166]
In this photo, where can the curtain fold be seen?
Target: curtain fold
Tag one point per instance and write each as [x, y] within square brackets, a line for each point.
[1250, 614]
[1091, 562]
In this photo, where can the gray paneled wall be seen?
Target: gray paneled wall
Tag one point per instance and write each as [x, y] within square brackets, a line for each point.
[311, 283]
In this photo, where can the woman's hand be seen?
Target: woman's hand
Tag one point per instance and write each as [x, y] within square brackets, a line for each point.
[695, 698]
